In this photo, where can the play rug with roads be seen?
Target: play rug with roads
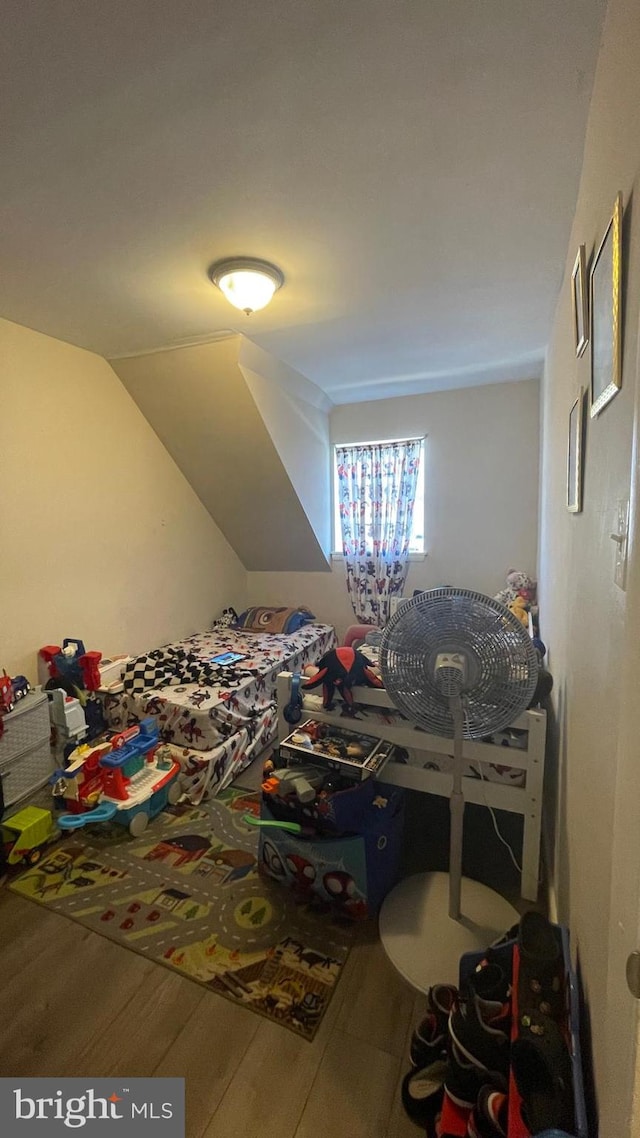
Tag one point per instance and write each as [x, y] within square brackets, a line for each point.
[188, 895]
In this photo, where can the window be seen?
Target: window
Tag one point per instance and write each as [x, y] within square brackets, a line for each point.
[416, 544]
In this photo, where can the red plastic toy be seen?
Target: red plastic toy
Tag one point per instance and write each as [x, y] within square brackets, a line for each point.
[80, 664]
[6, 693]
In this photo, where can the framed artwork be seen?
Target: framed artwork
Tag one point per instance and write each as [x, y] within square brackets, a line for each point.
[574, 455]
[580, 302]
[606, 315]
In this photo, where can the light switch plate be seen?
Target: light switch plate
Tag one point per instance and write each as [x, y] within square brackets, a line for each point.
[622, 531]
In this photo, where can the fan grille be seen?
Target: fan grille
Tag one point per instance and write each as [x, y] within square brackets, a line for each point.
[501, 662]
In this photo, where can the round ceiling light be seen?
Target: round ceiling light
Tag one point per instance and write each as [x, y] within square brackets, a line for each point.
[247, 283]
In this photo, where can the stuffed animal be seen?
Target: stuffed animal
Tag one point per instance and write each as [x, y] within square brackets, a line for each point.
[519, 584]
[341, 670]
[519, 608]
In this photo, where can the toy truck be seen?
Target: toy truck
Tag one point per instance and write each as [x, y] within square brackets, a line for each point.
[25, 835]
[127, 779]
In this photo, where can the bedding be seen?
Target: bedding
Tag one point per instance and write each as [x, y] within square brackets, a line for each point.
[217, 716]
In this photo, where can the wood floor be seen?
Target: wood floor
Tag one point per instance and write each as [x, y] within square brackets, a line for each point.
[74, 1003]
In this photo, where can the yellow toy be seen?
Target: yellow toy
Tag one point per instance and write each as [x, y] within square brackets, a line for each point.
[519, 608]
[26, 833]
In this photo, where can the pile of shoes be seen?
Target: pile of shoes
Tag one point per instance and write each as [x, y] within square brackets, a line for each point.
[492, 1058]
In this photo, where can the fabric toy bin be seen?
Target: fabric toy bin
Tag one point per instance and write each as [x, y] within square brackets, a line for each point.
[334, 812]
[351, 871]
[26, 761]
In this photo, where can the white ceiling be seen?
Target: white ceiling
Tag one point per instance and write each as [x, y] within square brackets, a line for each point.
[411, 165]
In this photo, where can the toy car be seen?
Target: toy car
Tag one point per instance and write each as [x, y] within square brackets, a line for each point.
[21, 687]
[26, 834]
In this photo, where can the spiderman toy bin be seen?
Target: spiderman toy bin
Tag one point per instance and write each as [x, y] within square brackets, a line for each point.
[347, 852]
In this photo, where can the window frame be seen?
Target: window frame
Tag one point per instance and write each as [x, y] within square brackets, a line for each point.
[337, 554]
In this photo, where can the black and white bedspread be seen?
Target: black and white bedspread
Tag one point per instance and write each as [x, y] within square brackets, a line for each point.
[218, 716]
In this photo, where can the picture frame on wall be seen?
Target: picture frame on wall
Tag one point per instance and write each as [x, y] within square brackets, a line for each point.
[605, 299]
[574, 455]
[579, 298]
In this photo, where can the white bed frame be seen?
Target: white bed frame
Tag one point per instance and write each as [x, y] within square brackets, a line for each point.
[525, 800]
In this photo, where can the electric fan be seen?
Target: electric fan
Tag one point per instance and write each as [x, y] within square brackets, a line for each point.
[458, 664]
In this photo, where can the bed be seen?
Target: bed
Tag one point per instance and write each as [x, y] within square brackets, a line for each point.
[216, 717]
[505, 777]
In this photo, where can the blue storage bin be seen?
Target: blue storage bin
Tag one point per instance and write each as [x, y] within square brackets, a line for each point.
[338, 812]
[352, 871]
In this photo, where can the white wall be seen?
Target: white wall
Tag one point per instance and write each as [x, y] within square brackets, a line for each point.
[210, 418]
[102, 536]
[585, 620]
[296, 415]
[481, 492]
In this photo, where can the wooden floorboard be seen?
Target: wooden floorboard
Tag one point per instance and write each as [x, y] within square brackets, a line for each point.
[75, 1003]
[208, 1052]
[352, 1092]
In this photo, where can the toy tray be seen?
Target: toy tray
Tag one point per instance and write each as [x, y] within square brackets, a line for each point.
[356, 755]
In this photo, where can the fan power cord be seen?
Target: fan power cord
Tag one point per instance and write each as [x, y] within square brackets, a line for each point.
[495, 821]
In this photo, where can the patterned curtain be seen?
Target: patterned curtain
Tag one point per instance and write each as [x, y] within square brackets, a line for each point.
[377, 488]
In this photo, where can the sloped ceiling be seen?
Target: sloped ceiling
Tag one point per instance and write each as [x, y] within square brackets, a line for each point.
[411, 165]
[202, 407]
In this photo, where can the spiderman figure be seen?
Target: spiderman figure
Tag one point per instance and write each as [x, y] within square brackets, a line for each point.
[340, 670]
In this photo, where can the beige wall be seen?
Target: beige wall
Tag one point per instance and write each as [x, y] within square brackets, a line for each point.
[584, 614]
[295, 413]
[481, 492]
[102, 537]
[201, 405]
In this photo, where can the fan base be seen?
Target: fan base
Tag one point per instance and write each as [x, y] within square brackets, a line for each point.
[423, 942]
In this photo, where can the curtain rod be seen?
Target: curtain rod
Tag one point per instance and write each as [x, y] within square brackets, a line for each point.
[383, 442]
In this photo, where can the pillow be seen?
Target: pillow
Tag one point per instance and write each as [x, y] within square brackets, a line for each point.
[273, 620]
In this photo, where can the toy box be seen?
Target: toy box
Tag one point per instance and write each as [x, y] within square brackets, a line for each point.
[343, 811]
[352, 871]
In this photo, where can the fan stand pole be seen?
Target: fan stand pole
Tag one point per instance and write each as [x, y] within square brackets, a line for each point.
[456, 809]
[424, 941]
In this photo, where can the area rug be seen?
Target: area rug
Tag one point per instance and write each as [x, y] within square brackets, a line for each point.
[188, 895]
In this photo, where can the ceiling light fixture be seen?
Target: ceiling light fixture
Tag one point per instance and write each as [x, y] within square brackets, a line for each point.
[247, 283]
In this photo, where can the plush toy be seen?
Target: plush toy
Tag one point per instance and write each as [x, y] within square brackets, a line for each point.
[518, 607]
[519, 584]
[341, 670]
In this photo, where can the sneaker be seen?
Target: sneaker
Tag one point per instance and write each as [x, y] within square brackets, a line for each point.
[423, 1091]
[490, 1116]
[541, 973]
[454, 1119]
[464, 1079]
[429, 1040]
[490, 982]
[480, 1030]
